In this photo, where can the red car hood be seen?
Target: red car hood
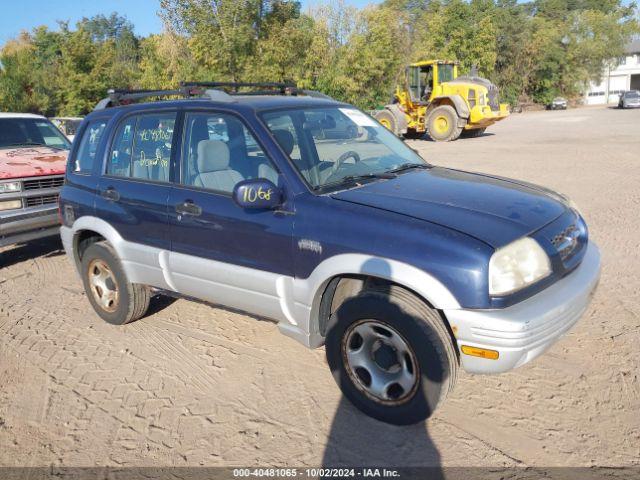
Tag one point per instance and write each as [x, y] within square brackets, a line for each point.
[31, 161]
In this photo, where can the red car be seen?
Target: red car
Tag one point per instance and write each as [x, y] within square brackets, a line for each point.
[33, 158]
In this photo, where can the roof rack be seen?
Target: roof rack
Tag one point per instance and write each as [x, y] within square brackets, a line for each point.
[268, 88]
[125, 97]
[213, 90]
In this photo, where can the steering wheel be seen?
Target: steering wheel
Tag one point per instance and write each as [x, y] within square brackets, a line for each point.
[341, 159]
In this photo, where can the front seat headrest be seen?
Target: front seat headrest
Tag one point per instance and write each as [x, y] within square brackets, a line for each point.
[285, 140]
[213, 155]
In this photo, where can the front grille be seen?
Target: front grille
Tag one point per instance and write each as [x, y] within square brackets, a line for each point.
[41, 200]
[566, 241]
[41, 183]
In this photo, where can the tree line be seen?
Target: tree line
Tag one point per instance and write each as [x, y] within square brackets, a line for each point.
[532, 50]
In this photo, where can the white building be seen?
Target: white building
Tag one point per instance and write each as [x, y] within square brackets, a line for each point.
[623, 74]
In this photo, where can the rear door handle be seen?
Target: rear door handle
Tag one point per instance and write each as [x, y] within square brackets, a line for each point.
[111, 194]
[189, 208]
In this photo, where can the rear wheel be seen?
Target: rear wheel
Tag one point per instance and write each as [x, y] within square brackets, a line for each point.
[112, 296]
[442, 124]
[476, 132]
[391, 355]
[387, 120]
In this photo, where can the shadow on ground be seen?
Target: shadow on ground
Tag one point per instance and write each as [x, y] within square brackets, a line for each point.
[45, 247]
[356, 440]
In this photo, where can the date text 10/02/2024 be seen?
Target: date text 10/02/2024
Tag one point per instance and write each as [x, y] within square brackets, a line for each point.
[316, 472]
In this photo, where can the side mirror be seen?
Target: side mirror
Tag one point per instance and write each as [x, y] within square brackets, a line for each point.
[258, 193]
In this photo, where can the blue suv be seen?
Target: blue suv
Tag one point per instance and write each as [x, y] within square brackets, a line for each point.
[292, 206]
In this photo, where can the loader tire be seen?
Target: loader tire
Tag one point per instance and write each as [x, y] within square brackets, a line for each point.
[442, 124]
[388, 120]
[476, 132]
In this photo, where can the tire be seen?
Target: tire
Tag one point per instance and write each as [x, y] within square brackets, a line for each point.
[430, 353]
[102, 272]
[388, 120]
[442, 124]
[476, 132]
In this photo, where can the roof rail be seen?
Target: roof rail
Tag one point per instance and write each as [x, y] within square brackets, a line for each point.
[124, 97]
[213, 90]
[268, 88]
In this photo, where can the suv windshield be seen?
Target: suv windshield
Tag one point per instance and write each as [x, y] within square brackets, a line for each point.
[336, 147]
[632, 94]
[29, 132]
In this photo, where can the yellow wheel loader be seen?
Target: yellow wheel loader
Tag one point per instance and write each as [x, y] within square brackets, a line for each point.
[434, 100]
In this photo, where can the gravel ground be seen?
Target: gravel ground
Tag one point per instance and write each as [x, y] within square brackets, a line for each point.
[195, 385]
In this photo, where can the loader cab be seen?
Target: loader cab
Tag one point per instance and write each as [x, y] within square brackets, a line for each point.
[423, 79]
[420, 83]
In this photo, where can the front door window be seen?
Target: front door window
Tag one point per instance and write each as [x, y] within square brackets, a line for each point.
[219, 152]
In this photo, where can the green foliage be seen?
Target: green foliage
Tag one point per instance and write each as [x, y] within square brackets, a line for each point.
[374, 55]
[457, 30]
[66, 72]
[532, 50]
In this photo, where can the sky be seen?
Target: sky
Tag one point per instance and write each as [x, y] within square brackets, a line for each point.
[18, 15]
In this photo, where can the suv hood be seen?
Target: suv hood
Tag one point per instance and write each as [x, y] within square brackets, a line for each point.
[492, 209]
[31, 161]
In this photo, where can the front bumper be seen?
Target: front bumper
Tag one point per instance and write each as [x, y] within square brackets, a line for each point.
[523, 331]
[28, 224]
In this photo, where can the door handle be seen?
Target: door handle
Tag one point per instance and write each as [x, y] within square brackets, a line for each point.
[189, 208]
[111, 194]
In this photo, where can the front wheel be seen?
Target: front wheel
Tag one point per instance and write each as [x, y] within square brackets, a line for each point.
[442, 124]
[391, 355]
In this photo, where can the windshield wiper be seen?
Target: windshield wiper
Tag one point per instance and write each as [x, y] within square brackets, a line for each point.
[356, 179]
[33, 144]
[409, 166]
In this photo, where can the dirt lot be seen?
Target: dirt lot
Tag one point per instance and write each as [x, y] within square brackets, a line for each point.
[195, 385]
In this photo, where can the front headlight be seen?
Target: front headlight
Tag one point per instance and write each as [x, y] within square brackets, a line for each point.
[8, 187]
[10, 204]
[518, 265]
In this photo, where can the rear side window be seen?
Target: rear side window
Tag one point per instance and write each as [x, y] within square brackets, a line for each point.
[120, 158]
[142, 147]
[89, 146]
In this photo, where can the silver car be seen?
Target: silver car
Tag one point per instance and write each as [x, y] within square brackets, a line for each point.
[558, 103]
[630, 99]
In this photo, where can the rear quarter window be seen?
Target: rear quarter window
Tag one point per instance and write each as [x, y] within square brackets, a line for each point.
[142, 147]
[89, 145]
